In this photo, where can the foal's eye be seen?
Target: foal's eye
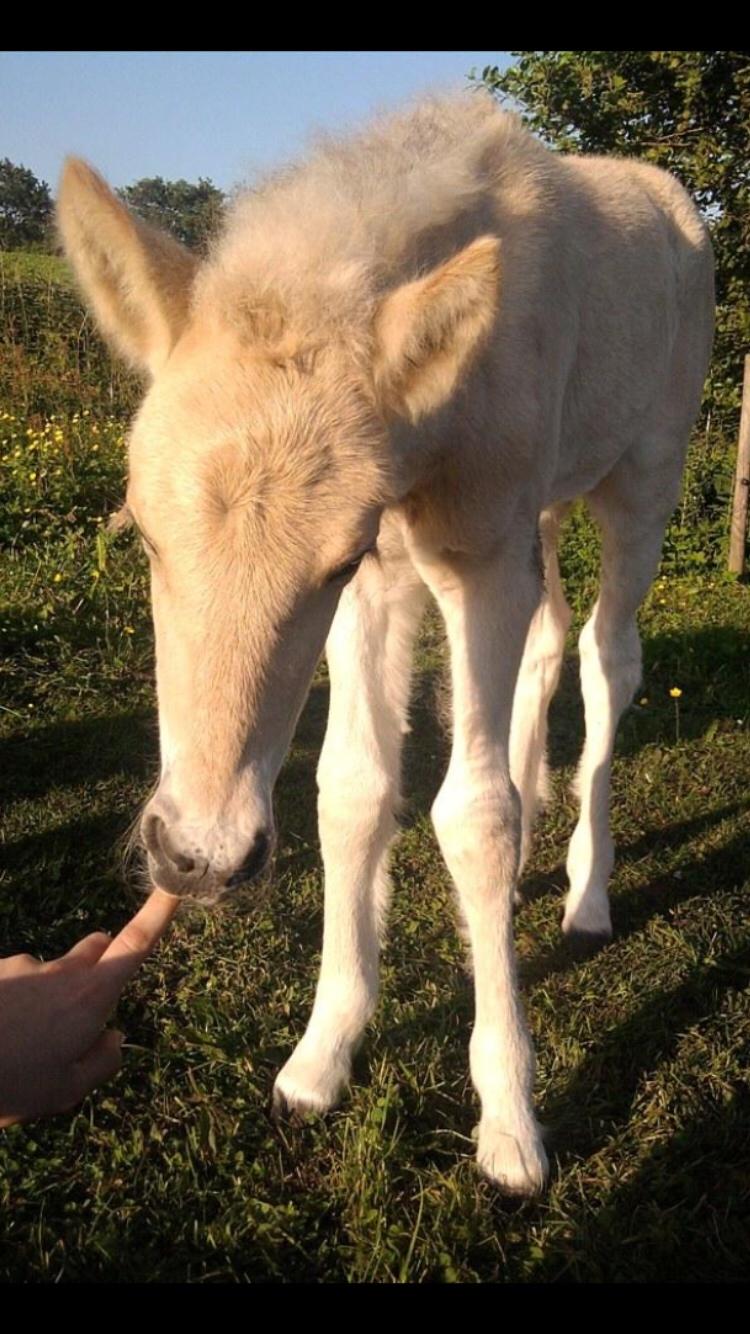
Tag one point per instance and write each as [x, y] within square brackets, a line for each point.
[345, 572]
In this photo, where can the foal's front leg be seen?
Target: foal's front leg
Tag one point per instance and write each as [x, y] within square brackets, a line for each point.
[487, 608]
[369, 653]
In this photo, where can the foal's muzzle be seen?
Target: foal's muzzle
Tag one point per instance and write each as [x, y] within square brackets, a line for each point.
[183, 868]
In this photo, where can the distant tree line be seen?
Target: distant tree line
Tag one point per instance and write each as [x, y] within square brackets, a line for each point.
[190, 211]
[25, 208]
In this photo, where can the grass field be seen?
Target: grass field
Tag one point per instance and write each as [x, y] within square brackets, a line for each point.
[175, 1171]
[36, 265]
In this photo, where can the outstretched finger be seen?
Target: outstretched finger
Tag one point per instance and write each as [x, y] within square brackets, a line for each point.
[134, 943]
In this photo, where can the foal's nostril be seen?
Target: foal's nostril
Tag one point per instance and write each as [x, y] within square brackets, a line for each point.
[254, 862]
[157, 840]
[184, 864]
[150, 826]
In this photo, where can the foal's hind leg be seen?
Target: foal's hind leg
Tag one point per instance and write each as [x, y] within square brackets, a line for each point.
[369, 653]
[632, 507]
[537, 682]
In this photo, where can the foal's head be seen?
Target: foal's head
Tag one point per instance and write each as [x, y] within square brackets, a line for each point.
[259, 465]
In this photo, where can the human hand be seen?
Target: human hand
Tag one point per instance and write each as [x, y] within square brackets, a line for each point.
[54, 1047]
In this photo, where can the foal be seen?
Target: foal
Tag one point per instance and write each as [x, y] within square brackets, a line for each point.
[404, 358]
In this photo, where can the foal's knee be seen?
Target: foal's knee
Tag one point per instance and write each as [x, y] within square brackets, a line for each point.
[611, 658]
[550, 628]
[479, 833]
[359, 806]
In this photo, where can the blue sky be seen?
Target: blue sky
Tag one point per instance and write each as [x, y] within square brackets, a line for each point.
[190, 114]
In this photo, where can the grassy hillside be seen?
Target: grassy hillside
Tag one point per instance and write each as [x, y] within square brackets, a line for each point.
[52, 360]
[33, 266]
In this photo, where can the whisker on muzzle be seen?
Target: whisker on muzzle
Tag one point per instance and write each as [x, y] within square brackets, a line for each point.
[130, 852]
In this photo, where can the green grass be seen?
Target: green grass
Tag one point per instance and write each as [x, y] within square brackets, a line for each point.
[34, 265]
[175, 1171]
[52, 359]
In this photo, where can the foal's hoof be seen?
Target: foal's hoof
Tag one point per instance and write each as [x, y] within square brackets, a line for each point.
[516, 1164]
[303, 1090]
[281, 1108]
[585, 944]
[295, 1111]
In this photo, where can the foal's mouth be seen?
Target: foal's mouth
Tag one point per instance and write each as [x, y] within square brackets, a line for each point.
[200, 884]
[179, 865]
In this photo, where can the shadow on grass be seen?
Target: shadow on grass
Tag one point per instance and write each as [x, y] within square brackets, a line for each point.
[599, 1097]
[683, 1214]
[608, 1078]
[712, 667]
[677, 1179]
[126, 744]
[60, 883]
[681, 1218]
[71, 753]
[632, 908]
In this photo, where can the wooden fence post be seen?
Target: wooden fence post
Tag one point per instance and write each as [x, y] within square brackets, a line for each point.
[738, 532]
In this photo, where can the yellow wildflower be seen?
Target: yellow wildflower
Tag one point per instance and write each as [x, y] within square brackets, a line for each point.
[675, 692]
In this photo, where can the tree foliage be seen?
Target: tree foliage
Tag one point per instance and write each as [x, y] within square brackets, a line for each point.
[685, 111]
[190, 212]
[25, 208]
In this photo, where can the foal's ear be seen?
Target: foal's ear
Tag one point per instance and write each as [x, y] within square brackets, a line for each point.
[136, 278]
[427, 331]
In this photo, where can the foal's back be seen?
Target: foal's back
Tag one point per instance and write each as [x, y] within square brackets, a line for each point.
[642, 320]
[605, 316]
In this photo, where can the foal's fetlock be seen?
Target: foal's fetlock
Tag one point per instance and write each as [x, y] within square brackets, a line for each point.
[312, 1082]
[587, 925]
[587, 922]
[515, 1160]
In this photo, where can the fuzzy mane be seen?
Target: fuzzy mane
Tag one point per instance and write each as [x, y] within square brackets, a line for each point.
[328, 233]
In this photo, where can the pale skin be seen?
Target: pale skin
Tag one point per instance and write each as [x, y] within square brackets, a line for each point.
[54, 1046]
